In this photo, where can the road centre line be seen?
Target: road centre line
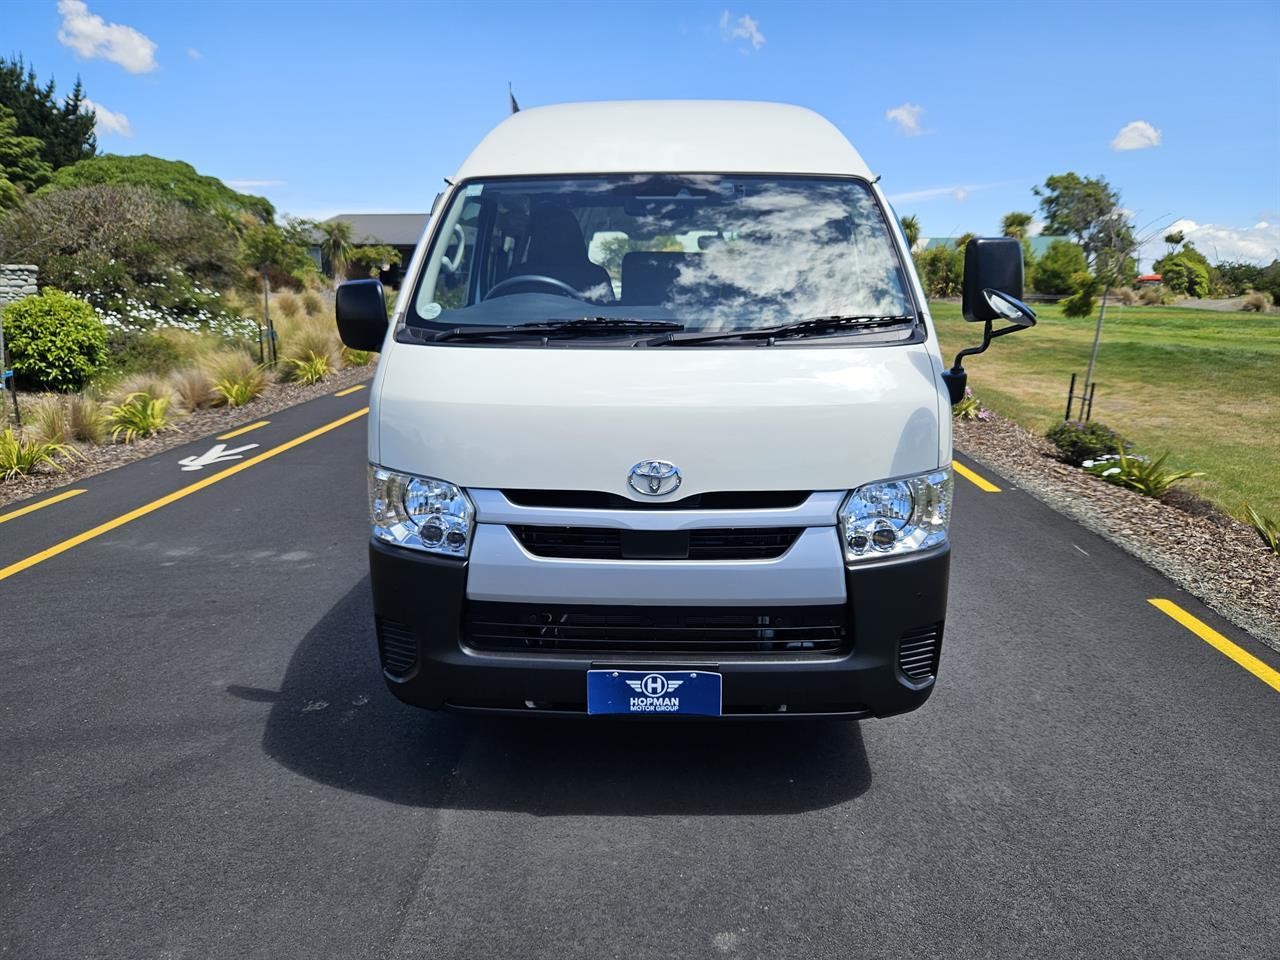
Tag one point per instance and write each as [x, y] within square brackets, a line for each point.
[146, 508]
[1224, 646]
[236, 433]
[350, 390]
[22, 511]
[982, 484]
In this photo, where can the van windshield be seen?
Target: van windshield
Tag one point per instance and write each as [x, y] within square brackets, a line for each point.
[708, 252]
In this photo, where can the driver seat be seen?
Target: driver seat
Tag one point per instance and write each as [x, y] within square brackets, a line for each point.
[556, 249]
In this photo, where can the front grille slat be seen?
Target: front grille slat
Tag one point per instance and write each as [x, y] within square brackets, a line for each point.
[604, 543]
[524, 627]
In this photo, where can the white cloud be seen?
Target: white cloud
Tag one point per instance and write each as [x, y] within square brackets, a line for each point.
[90, 36]
[1035, 228]
[250, 184]
[959, 191]
[741, 28]
[907, 117]
[1259, 243]
[1138, 135]
[107, 121]
[193, 53]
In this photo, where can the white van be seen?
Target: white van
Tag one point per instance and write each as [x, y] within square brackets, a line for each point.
[661, 426]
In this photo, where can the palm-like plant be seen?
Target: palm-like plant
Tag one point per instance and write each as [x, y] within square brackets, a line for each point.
[1015, 224]
[911, 230]
[336, 246]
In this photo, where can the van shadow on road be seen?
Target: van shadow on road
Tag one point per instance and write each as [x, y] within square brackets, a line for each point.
[334, 722]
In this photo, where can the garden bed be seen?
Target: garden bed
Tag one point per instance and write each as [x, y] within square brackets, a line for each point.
[1209, 554]
[207, 422]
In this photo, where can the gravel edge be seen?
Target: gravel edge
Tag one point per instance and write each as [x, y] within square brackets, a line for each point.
[1217, 559]
[202, 423]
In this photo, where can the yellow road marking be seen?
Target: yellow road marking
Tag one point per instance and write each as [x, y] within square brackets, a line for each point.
[146, 508]
[236, 433]
[977, 481]
[350, 390]
[43, 503]
[1212, 637]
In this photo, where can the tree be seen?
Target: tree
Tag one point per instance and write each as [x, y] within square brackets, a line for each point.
[1174, 239]
[21, 167]
[124, 249]
[171, 179]
[1087, 209]
[336, 246]
[941, 270]
[1080, 303]
[371, 257]
[1060, 262]
[280, 250]
[1015, 224]
[65, 130]
[911, 231]
[1186, 271]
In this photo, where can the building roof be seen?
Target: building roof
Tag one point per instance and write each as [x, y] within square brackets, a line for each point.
[664, 136]
[393, 229]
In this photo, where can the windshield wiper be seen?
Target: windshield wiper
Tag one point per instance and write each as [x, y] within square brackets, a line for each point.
[583, 326]
[797, 328]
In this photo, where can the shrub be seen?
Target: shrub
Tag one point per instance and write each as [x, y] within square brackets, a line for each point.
[307, 337]
[87, 418]
[193, 387]
[1125, 296]
[969, 408]
[153, 385]
[1257, 302]
[1156, 295]
[1061, 261]
[49, 420]
[138, 415]
[941, 270]
[356, 358]
[307, 370]
[236, 378]
[312, 303]
[1147, 477]
[137, 351]
[20, 456]
[54, 340]
[1268, 528]
[1080, 303]
[1078, 441]
[288, 304]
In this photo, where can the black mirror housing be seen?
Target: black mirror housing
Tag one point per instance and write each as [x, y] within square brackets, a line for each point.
[990, 263]
[361, 308]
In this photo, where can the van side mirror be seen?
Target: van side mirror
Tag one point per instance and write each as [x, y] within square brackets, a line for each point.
[992, 291]
[361, 308]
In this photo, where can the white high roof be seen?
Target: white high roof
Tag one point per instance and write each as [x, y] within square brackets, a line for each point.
[664, 136]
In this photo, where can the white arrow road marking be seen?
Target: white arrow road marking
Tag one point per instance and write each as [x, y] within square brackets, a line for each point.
[215, 454]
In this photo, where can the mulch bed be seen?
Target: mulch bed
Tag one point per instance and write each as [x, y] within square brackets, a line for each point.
[1218, 559]
[201, 423]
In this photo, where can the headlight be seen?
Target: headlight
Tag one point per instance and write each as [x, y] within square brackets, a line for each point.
[420, 512]
[896, 516]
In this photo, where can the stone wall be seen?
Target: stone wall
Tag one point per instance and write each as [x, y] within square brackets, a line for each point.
[16, 281]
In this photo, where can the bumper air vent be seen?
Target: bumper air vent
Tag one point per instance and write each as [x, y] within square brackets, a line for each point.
[602, 543]
[918, 652]
[396, 646]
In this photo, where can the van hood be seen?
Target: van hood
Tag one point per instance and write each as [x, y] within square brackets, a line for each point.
[730, 418]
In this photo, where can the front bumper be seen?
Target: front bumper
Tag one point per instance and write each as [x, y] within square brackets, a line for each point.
[419, 602]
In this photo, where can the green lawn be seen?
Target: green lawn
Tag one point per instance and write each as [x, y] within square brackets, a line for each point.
[1202, 384]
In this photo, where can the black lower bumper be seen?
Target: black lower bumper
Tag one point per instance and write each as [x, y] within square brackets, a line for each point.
[894, 617]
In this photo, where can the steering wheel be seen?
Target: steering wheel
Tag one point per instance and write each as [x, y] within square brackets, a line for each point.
[559, 287]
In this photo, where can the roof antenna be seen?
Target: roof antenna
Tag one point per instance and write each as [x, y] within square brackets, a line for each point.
[515, 107]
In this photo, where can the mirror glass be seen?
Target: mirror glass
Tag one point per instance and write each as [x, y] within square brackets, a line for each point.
[1010, 308]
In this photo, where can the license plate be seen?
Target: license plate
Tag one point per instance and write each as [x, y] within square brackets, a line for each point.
[653, 692]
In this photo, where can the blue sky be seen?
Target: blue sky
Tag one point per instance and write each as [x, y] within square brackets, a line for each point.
[349, 107]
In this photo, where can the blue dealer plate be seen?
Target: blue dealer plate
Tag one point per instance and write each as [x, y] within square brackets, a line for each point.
[654, 692]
